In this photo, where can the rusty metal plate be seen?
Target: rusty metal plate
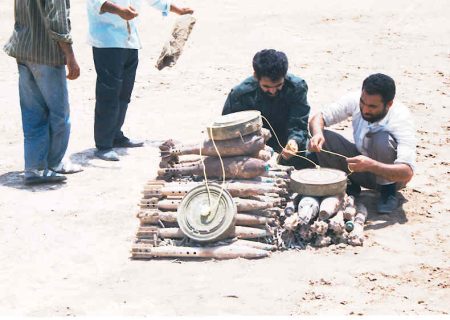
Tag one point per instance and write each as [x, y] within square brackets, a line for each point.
[234, 125]
[318, 182]
[203, 217]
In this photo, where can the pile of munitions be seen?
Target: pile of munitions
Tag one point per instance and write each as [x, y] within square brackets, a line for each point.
[322, 221]
[223, 198]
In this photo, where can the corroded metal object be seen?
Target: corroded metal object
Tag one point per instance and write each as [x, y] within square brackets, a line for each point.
[173, 48]
[318, 182]
[236, 189]
[235, 125]
[207, 214]
[235, 167]
[230, 251]
[251, 145]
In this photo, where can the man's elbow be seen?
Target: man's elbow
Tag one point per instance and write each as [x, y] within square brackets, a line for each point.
[408, 175]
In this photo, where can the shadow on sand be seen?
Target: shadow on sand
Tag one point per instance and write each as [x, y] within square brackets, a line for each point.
[377, 221]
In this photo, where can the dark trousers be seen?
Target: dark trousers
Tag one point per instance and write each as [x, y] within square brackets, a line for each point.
[381, 147]
[116, 71]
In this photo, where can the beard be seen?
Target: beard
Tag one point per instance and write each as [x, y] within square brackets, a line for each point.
[375, 117]
[267, 94]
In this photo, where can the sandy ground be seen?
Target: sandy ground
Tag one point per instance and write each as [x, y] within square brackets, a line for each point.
[64, 250]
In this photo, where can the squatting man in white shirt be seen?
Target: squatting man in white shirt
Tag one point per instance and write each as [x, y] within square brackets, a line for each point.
[383, 154]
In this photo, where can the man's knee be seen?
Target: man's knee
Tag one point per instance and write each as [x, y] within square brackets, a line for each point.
[382, 147]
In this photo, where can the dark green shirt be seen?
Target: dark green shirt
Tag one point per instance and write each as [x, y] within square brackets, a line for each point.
[39, 26]
[288, 112]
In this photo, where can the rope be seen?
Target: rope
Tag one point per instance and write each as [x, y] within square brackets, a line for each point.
[278, 158]
[299, 156]
[206, 177]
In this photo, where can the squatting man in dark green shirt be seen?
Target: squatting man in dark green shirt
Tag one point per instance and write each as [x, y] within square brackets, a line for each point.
[281, 98]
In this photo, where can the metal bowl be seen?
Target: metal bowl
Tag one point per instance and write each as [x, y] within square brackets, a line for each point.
[234, 125]
[318, 182]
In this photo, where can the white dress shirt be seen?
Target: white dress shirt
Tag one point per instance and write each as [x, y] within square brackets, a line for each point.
[398, 122]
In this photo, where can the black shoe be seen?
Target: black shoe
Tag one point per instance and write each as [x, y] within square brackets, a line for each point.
[107, 155]
[388, 200]
[42, 176]
[127, 143]
[387, 205]
[353, 189]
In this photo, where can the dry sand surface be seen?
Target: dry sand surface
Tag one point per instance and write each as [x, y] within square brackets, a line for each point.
[64, 250]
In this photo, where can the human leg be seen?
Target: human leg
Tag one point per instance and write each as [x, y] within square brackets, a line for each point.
[336, 143]
[129, 77]
[382, 147]
[109, 65]
[52, 84]
[36, 124]
[35, 121]
[120, 140]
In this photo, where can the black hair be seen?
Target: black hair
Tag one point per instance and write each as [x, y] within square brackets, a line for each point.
[381, 84]
[271, 64]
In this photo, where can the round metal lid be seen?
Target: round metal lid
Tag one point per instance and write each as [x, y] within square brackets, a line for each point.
[236, 124]
[198, 217]
[318, 182]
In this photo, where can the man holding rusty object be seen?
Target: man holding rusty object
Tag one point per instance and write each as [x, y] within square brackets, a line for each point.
[282, 100]
[114, 37]
[384, 152]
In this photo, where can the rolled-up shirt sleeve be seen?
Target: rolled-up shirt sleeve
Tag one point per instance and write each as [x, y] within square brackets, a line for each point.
[342, 109]
[161, 5]
[56, 13]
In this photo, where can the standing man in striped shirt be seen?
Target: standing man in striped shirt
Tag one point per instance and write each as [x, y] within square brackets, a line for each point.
[42, 45]
[114, 37]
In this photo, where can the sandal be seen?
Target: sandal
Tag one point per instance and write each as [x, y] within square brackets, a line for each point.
[42, 176]
[67, 167]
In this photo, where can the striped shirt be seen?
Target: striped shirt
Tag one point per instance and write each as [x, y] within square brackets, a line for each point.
[39, 26]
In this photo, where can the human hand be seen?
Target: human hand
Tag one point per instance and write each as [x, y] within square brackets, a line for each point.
[73, 70]
[180, 11]
[127, 13]
[316, 142]
[290, 150]
[360, 163]
[185, 11]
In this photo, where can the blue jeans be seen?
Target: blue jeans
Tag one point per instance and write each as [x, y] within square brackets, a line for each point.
[116, 71]
[44, 104]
